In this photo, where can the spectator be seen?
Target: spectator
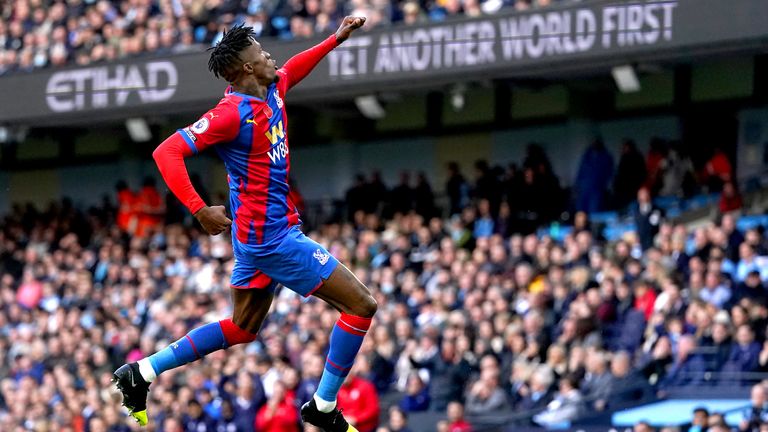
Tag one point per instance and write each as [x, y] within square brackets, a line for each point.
[539, 394]
[359, 401]
[745, 353]
[643, 426]
[593, 178]
[700, 420]
[630, 174]
[717, 171]
[398, 420]
[486, 396]
[279, 414]
[151, 209]
[566, 406]
[627, 386]
[403, 195]
[715, 291]
[423, 197]
[648, 218]
[417, 395]
[596, 385]
[688, 368]
[126, 201]
[196, 419]
[456, 421]
[457, 189]
[757, 414]
[487, 186]
[730, 199]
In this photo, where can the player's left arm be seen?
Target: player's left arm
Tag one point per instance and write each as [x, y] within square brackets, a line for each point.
[300, 65]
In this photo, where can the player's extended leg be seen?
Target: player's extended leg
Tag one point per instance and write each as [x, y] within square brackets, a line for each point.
[346, 293]
[250, 310]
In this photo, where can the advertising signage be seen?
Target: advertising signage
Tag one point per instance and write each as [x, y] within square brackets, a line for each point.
[508, 44]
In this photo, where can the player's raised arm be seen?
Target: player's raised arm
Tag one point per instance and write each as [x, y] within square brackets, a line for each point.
[300, 65]
[216, 126]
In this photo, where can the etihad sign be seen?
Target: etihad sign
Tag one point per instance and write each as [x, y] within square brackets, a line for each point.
[111, 86]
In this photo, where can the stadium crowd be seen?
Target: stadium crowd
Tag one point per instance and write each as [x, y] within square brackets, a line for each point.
[41, 33]
[476, 317]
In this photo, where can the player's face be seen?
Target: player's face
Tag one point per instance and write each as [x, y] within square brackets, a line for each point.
[261, 63]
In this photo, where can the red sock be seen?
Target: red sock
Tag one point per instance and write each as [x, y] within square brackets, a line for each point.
[233, 334]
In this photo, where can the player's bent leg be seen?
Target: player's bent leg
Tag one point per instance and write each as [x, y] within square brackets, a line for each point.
[346, 293]
[250, 309]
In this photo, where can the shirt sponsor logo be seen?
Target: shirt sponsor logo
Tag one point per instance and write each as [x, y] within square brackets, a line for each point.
[321, 257]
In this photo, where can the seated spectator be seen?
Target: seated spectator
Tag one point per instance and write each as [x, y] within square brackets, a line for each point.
[416, 395]
[358, 398]
[643, 426]
[688, 367]
[566, 405]
[279, 414]
[597, 381]
[715, 291]
[196, 419]
[486, 396]
[757, 414]
[627, 386]
[700, 420]
[751, 288]
[745, 354]
[538, 394]
[397, 420]
[456, 421]
[719, 345]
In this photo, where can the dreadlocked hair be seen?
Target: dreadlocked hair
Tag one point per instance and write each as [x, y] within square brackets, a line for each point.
[226, 54]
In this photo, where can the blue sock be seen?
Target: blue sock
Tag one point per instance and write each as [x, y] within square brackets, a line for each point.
[195, 345]
[346, 338]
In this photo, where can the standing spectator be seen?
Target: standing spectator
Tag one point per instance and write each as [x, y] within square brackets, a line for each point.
[717, 171]
[648, 218]
[676, 174]
[487, 185]
[356, 197]
[593, 178]
[279, 414]
[403, 195]
[376, 193]
[630, 174]
[457, 189]
[484, 224]
[425, 200]
[127, 219]
[730, 199]
[151, 208]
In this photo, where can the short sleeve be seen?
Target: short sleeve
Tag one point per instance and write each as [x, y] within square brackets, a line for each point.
[219, 125]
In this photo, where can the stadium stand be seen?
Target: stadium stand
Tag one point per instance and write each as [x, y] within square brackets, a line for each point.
[521, 329]
[51, 33]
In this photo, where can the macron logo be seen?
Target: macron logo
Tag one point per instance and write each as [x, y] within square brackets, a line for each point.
[321, 257]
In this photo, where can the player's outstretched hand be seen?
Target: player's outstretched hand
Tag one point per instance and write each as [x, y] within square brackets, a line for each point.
[348, 25]
[213, 219]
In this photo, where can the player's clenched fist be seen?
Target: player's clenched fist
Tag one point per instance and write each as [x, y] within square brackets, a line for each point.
[213, 219]
[348, 25]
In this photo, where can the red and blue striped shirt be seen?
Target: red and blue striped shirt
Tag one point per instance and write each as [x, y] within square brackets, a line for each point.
[251, 137]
